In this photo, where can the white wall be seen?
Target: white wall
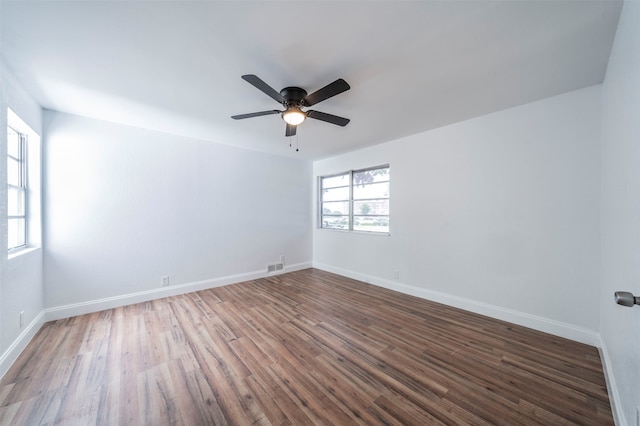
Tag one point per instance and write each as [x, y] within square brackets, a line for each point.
[125, 206]
[21, 280]
[620, 326]
[498, 214]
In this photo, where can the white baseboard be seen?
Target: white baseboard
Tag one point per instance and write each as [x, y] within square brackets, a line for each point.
[612, 388]
[11, 354]
[74, 309]
[557, 328]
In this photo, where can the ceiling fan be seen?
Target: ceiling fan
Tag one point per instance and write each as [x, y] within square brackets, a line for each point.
[293, 99]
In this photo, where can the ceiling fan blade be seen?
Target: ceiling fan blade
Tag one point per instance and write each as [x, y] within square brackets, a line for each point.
[291, 130]
[264, 87]
[326, 92]
[255, 114]
[329, 118]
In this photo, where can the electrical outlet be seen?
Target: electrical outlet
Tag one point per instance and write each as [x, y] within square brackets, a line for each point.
[164, 280]
[21, 318]
[396, 274]
[282, 258]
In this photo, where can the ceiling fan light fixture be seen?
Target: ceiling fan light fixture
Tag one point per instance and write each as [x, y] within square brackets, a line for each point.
[294, 116]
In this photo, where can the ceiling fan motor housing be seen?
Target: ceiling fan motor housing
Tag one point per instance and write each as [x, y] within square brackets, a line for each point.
[294, 96]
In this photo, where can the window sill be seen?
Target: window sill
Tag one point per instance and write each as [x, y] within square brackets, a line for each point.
[22, 252]
[347, 231]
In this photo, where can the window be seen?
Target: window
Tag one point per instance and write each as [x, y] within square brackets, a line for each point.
[357, 200]
[24, 217]
[16, 188]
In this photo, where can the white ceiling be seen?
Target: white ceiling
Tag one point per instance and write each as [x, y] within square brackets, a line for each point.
[175, 66]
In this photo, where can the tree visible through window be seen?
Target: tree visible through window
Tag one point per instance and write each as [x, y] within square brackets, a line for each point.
[357, 200]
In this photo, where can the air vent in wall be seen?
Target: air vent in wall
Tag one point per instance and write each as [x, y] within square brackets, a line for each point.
[275, 267]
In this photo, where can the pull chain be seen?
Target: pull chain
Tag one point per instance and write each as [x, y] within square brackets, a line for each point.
[297, 142]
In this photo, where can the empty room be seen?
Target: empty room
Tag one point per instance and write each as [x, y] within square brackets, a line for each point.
[320, 212]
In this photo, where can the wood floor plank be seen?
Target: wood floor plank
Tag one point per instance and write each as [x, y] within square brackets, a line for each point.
[307, 347]
[349, 398]
[8, 413]
[317, 405]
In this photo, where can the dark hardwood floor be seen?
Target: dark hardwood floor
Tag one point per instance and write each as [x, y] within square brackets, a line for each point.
[306, 347]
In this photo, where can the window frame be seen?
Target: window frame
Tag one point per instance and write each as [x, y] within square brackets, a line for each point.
[351, 214]
[21, 187]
